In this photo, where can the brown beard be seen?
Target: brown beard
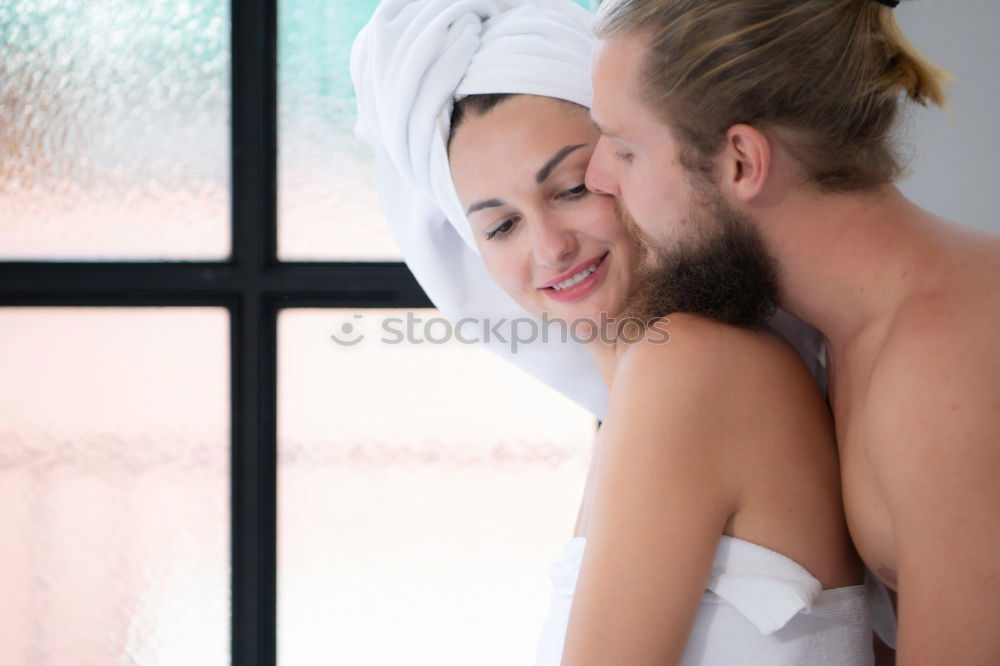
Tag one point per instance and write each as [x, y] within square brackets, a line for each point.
[726, 273]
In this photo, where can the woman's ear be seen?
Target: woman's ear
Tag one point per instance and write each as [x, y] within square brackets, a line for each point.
[745, 162]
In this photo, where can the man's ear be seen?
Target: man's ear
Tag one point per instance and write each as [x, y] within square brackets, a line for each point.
[745, 162]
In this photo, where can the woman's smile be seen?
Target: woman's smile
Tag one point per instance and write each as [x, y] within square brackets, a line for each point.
[579, 282]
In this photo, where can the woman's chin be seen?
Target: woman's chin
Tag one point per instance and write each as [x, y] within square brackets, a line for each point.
[585, 325]
[599, 313]
[585, 314]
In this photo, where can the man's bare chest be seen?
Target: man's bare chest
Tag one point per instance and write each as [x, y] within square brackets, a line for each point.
[868, 515]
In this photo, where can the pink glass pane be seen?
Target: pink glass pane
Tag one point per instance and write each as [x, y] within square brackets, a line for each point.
[114, 130]
[424, 489]
[114, 491]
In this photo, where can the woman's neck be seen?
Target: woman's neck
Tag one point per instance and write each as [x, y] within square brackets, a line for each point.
[606, 355]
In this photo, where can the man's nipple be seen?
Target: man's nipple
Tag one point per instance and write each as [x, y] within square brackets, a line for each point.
[888, 576]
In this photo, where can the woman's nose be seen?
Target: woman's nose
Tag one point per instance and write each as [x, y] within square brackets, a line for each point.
[600, 172]
[554, 242]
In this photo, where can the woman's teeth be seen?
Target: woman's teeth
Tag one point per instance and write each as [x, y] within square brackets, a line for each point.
[579, 277]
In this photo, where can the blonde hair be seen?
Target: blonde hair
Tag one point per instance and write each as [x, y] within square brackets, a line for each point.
[830, 72]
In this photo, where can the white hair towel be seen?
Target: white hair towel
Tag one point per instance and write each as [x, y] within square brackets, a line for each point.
[409, 64]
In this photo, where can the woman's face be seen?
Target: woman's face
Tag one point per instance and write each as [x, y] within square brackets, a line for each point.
[550, 243]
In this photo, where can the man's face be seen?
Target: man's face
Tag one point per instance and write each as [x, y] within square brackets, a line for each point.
[636, 158]
[703, 255]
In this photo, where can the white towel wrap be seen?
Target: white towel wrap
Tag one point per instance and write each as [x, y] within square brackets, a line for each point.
[759, 607]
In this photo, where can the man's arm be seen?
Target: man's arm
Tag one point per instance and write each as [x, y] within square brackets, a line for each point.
[936, 453]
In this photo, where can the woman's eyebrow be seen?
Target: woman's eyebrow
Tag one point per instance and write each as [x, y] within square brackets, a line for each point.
[487, 203]
[540, 177]
[546, 170]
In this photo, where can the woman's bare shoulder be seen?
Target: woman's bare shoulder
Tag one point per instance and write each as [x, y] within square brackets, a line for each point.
[723, 387]
[699, 352]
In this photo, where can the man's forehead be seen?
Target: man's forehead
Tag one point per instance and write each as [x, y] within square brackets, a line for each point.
[618, 52]
[612, 77]
[607, 130]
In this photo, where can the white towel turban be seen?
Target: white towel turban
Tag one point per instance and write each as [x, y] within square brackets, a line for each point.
[409, 65]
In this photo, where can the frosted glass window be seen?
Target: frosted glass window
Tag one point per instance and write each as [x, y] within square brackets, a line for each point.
[424, 489]
[114, 486]
[114, 130]
[327, 205]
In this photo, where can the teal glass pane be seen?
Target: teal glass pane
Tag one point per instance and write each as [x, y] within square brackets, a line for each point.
[114, 130]
[327, 205]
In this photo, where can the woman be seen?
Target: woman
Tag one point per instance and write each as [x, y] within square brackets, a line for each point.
[711, 529]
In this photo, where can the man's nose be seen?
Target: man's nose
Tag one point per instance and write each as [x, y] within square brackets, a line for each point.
[600, 176]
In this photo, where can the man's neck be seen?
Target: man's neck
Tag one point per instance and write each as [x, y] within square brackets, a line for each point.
[846, 261]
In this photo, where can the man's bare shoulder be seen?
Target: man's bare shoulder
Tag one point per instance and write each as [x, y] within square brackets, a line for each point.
[940, 365]
[932, 434]
[956, 324]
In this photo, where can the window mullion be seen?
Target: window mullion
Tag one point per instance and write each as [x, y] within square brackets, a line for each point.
[254, 474]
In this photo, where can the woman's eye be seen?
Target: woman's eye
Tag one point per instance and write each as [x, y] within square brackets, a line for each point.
[624, 157]
[575, 193]
[501, 230]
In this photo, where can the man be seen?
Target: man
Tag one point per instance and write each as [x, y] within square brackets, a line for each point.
[776, 117]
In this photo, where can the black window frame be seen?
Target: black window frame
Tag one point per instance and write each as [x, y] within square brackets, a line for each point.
[253, 285]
